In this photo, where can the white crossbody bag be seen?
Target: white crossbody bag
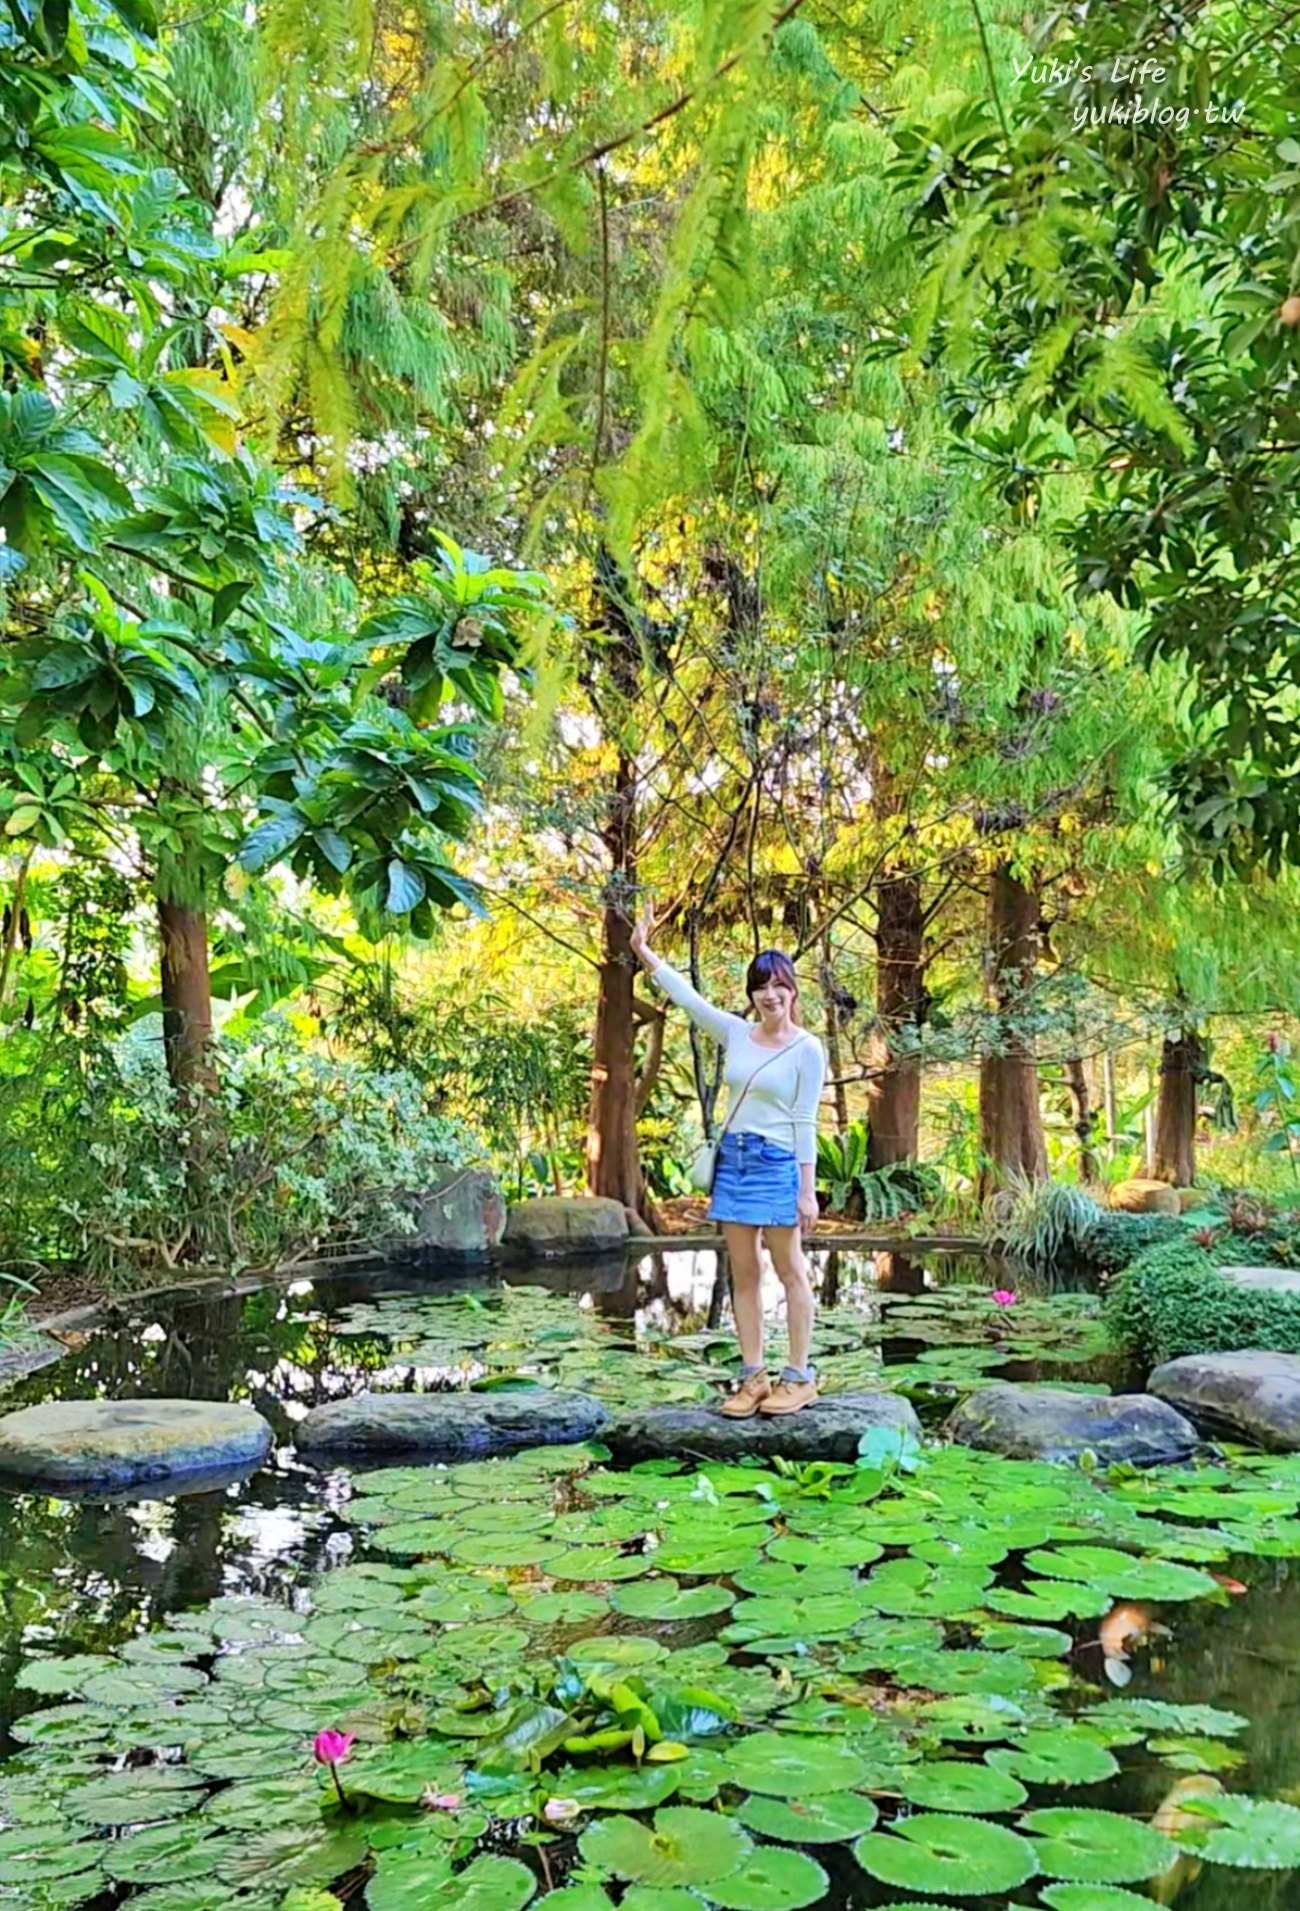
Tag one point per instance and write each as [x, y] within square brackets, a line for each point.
[704, 1163]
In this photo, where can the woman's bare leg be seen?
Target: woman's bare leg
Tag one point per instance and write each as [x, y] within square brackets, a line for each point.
[746, 1298]
[786, 1249]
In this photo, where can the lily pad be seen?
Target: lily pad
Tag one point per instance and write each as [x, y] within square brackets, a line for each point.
[1055, 1757]
[825, 1820]
[684, 1846]
[664, 1599]
[1257, 1834]
[786, 1766]
[773, 1879]
[949, 1784]
[1093, 1897]
[1098, 1847]
[957, 1857]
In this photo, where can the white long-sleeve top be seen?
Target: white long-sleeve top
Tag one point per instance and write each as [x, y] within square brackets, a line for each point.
[783, 1100]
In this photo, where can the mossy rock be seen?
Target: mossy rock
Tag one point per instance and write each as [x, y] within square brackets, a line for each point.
[553, 1225]
[1189, 1199]
[1145, 1197]
[1050, 1423]
[1253, 1395]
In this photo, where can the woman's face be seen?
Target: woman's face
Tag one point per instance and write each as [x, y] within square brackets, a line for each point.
[773, 999]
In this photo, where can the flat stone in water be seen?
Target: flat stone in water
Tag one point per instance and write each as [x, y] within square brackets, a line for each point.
[449, 1424]
[1252, 1395]
[1050, 1423]
[828, 1430]
[28, 1357]
[80, 1444]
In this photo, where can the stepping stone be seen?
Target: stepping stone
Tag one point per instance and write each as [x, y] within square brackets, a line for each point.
[829, 1430]
[563, 1224]
[110, 1444]
[451, 1425]
[1050, 1423]
[1252, 1395]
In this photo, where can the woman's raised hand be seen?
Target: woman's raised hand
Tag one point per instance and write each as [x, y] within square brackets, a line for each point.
[642, 932]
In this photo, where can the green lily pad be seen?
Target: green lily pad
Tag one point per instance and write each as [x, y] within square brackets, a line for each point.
[949, 1784]
[684, 1846]
[786, 1766]
[571, 1607]
[584, 1563]
[621, 1787]
[664, 1599]
[826, 1819]
[1093, 1897]
[1031, 1642]
[579, 1897]
[773, 1879]
[650, 1897]
[848, 1549]
[958, 1857]
[1050, 1756]
[165, 1855]
[1252, 1834]
[1122, 1576]
[1098, 1847]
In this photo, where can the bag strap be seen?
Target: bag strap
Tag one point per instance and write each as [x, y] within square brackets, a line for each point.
[776, 1054]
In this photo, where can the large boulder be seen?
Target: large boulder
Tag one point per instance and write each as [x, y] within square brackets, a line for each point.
[463, 1214]
[1264, 1280]
[1252, 1395]
[110, 1444]
[1050, 1423]
[554, 1226]
[448, 1425]
[1145, 1197]
[831, 1429]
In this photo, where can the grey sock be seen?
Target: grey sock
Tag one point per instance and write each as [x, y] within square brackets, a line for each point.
[747, 1372]
[797, 1373]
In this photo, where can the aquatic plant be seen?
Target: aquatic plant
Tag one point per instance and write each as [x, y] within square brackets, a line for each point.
[640, 1684]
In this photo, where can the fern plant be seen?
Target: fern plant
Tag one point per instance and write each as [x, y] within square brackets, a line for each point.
[869, 1194]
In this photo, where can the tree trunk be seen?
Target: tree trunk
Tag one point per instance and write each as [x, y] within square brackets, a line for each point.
[613, 1167]
[834, 1050]
[1182, 1062]
[1085, 1119]
[1011, 1123]
[186, 998]
[894, 1085]
[1108, 1099]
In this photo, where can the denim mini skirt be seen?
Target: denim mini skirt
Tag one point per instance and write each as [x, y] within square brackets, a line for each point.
[756, 1181]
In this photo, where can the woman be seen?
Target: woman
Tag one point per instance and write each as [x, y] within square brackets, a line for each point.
[763, 1189]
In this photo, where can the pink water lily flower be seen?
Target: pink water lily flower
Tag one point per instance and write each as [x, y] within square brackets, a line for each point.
[561, 1811]
[440, 1801]
[333, 1748]
[1003, 1297]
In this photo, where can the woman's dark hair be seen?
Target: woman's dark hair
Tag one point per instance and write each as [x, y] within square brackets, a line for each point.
[771, 966]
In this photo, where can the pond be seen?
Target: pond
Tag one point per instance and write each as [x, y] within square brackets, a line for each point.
[661, 1687]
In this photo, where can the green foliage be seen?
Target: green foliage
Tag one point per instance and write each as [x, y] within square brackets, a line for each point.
[1172, 1301]
[1275, 1101]
[313, 1151]
[1043, 1222]
[869, 1194]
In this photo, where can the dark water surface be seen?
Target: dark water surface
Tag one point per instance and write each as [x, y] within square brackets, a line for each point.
[87, 1576]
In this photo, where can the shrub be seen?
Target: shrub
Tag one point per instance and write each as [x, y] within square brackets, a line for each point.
[303, 1151]
[1173, 1301]
[870, 1194]
[1115, 1239]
